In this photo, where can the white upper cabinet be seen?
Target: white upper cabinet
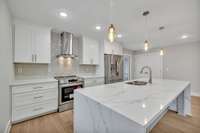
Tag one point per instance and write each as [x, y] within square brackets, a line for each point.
[112, 48]
[23, 51]
[89, 51]
[31, 43]
[42, 45]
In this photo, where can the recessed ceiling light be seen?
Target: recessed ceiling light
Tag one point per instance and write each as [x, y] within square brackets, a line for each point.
[98, 27]
[63, 14]
[119, 35]
[184, 36]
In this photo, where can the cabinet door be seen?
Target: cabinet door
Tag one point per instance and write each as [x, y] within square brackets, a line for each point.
[41, 43]
[107, 47]
[90, 52]
[86, 51]
[95, 53]
[118, 49]
[23, 44]
[94, 82]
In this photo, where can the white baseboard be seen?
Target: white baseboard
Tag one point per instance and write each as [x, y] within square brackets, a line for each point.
[195, 94]
[8, 127]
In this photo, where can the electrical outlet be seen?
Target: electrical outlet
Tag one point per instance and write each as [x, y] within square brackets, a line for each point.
[19, 70]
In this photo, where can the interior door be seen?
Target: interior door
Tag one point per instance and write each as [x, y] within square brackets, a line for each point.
[126, 71]
[154, 60]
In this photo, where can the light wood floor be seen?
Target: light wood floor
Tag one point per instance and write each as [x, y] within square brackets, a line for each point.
[63, 123]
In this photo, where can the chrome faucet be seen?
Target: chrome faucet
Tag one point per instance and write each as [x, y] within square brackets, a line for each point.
[150, 73]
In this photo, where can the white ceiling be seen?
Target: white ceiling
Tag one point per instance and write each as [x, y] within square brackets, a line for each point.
[178, 16]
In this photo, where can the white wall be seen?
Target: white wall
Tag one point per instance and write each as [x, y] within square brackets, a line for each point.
[152, 59]
[182, 62]
[6, 72]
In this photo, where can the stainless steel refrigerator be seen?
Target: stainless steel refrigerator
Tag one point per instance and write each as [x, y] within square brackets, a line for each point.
[113, 68]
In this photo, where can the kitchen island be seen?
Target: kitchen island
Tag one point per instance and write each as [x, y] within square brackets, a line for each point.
[125, 108]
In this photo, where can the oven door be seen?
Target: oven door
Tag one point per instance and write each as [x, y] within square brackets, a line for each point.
[67, 93]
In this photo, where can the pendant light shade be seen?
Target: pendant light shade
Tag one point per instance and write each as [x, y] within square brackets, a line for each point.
[161, 52]
[146, 45]
[111, 33]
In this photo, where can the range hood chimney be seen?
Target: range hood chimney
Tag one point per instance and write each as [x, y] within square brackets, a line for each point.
[66, 40]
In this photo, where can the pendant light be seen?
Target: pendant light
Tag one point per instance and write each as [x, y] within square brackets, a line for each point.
[161, 28]
[146, 43]
[111, 33]
[111, 28]
[161, 52]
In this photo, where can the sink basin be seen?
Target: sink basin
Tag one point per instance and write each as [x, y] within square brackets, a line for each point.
[136, 83]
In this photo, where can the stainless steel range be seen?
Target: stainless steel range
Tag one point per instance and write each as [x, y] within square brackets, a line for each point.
[67, 85]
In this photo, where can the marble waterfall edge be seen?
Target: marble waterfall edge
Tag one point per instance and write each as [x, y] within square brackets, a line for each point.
[122, 108]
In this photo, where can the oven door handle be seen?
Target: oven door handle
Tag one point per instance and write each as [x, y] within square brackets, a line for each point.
[71, 85]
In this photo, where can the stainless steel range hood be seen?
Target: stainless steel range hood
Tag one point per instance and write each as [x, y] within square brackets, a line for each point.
[66, 40]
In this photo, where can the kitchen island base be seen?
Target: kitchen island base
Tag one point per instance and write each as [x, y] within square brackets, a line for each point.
[95, 114]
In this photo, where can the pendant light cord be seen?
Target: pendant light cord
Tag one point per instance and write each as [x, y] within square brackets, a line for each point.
[110, 8]
[145, 14]
[146, 23]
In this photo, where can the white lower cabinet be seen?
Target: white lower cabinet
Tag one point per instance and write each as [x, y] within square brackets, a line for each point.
[24, 112]
[29, 101]
[93, 81]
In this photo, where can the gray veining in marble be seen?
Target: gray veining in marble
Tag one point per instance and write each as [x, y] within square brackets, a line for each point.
[123, 108]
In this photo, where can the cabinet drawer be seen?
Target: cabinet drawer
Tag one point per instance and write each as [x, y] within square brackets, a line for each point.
[94, 81]
[89, 82]
[34, 87]
[33, 97]
[99, 81]
[24, 112]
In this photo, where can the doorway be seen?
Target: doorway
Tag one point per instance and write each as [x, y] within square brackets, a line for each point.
[127, 67]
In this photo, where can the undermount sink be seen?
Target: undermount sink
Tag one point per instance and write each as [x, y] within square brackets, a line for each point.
[136, 83]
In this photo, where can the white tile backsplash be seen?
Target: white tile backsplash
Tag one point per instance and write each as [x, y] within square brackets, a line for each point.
[31, 71]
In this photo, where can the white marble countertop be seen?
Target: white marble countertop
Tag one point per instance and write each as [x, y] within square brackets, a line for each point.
[31, 81]
[138, 103]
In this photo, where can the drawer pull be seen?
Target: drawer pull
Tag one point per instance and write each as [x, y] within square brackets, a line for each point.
[38, 97]
[39, 87]
[38, 109]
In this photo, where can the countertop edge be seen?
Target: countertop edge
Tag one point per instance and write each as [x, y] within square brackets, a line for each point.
[31, 81]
